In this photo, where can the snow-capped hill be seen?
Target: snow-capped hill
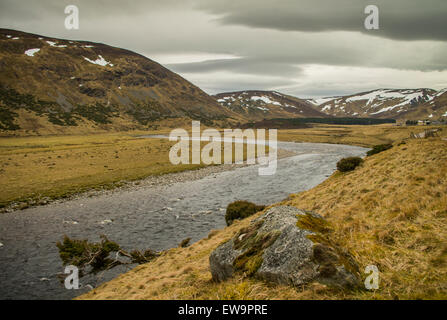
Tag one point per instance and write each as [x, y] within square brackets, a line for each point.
[257, 105]
[50, 85]
[383, 103]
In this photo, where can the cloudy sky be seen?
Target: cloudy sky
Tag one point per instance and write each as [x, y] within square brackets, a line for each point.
[308, 48]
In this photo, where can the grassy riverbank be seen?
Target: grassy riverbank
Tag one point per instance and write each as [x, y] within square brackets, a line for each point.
[37, 169]
[364, 136]
[390, 212]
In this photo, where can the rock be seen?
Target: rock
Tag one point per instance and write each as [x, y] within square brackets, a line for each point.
[89, 286]
[286, 245]
[70, 222]
[107, 221]
[1, 244]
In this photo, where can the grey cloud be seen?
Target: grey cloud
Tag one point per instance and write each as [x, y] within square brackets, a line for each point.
[399, 19]
[239, 66]
[237, 82]
[273, 55]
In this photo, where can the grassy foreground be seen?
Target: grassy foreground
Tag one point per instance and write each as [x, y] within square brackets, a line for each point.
[390, 212]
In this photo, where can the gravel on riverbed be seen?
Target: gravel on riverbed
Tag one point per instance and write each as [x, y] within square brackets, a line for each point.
[160, 180]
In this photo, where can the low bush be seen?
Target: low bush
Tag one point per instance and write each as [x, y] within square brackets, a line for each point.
[241, 209]
[379, 148]
[348, 164]
[184, 243]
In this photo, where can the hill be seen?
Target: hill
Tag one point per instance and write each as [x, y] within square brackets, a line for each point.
[258, 105]
[405, 104]
[389, 212]
[50, 85]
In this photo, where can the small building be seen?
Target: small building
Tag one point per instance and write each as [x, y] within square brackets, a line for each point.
[424, 122]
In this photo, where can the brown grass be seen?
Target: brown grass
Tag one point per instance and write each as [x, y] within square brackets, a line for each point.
[365, 136]
[35, 169]
[390, 212]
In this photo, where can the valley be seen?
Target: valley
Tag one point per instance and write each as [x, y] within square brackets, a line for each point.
[84, 153]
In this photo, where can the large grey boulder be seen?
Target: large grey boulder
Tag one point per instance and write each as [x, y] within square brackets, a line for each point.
[288, 246]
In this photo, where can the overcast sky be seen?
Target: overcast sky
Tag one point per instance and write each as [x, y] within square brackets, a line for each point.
[308, 48]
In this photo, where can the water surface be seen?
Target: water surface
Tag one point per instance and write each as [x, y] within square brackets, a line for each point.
[147, 217]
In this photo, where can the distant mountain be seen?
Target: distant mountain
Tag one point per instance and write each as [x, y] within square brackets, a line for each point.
[258, 105]
[50, 85]
[387, 103]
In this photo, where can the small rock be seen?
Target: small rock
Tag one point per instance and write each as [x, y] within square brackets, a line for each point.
[107, 221]
[70, 222]
[89, 286]
[44, 279]
[1, 244]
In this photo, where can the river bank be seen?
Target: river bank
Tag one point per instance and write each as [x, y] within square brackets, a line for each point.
[389, 212]
[158, 217]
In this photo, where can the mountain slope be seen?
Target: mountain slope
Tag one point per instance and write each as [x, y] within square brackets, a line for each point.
[258, 105]
[387, 103]
[53, 84]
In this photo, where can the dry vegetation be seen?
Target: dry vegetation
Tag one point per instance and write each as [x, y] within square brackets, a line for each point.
[34, 170]
[391, 212]
[366, 136]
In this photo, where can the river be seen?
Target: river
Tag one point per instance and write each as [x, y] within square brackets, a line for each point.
[156, 217]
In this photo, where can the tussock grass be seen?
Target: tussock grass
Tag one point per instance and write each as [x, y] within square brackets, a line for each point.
[390, 212]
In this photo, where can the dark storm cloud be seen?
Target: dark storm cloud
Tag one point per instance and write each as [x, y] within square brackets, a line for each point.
[300, 46]
[399, 19]
[240, 66]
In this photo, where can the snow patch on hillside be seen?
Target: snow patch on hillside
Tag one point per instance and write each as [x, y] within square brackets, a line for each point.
[100, 61]
[265, 99]
[321, 101]
[53, 44]
[32, 52]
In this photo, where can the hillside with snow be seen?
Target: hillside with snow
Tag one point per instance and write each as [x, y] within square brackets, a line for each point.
[258, 105]
[50, 85]
[387, 103]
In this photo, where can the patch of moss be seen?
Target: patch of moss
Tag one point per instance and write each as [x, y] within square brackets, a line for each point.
[253, 242]
[325, 252]
[314, 223]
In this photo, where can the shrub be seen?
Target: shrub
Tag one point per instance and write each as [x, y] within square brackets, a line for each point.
[93, 257]
[184, 243]
[348, 164]
[241, 209]
[379, 148]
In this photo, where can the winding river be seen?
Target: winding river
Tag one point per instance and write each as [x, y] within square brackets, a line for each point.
[156, 217]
